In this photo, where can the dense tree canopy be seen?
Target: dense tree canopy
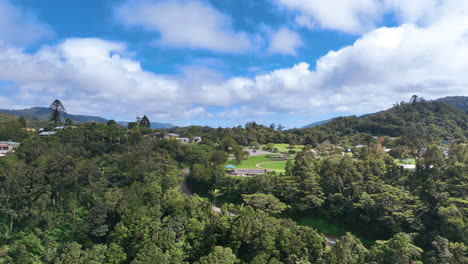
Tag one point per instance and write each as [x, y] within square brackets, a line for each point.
[101, 193]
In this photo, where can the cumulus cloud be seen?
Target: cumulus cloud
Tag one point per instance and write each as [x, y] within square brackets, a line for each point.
[351, 16]
[188, 24]
[285, 41]
[361, 16]
[94, 76]
[20, 27]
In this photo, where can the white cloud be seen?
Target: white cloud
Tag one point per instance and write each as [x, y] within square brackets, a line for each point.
[20, 27]
[386, 65]
[187, 24]
[361, 16]
[351, 16]
[285, 41]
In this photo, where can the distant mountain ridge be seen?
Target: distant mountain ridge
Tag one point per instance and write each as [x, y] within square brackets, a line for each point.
[457, 101]
[318, 123]
[42, 113]
[460, 102]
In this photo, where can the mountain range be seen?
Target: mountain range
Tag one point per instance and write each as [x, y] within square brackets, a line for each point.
[42, 113]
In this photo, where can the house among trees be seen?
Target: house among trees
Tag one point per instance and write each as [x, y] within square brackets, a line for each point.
[182, 139]
[7, 147]
[171, 135]
[47, 133]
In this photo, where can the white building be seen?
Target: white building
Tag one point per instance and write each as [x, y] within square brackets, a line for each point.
[48, 133]
[7, 147]
[184, 140]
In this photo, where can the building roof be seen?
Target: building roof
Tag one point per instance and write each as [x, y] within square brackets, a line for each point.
[408, 166]
[173, 135]
[229, 166]
[10, 143]
[50, 133]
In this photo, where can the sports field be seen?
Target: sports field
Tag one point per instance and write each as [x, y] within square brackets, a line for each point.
[262, 161]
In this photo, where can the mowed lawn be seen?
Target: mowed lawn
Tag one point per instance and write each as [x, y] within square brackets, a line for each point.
[274, 165]
[251, 163]
[285, 147]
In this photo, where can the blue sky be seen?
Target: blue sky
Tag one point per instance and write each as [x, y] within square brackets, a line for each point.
[227, 62]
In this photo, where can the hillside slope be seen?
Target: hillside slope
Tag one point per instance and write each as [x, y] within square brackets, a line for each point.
[427, 117]
[460, 102]
[30, 122]
[457, 101]
[43, 114]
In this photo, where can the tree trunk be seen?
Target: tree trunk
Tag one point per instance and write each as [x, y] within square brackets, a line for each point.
[11, 225]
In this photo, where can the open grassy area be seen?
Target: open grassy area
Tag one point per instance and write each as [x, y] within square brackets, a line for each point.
[285, 147]
[274, 165]
[251, 163]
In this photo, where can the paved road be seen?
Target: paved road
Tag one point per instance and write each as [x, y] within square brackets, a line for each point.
[257, 152]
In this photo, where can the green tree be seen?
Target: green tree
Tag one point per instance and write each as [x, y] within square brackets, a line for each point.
[347, 250]
[215, 193]
[398, 250]
[265, 202]
[56, 111]
[219, 157]
[200, 173]
[22, 122]
[219, 255]
[145, 122]
[69, 122]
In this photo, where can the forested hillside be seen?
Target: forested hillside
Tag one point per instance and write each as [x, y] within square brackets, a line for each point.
[431, 119]
[457, 101]
[101, 193]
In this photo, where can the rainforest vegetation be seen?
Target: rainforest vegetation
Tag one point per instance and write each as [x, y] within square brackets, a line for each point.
[102, 193]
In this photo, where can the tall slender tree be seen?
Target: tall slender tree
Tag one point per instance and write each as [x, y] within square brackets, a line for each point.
[57, 109]
[145, 122]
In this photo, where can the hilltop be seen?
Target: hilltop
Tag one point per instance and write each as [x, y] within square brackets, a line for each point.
[427, 117]
[434, 108]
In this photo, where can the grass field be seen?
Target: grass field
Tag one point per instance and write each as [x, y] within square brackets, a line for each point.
[251, 162]
[274, 165]
[285, 147]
